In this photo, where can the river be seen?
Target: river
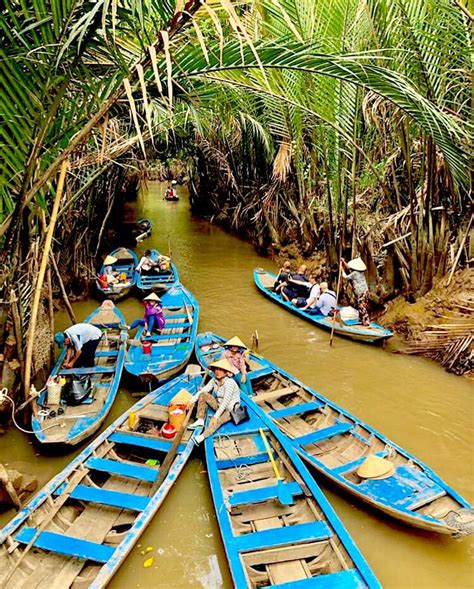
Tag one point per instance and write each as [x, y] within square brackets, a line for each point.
[410, 400]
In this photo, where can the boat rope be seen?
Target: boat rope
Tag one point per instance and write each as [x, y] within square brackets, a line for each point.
[5, 397]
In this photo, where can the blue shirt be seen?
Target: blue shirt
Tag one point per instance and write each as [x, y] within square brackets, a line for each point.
[81, 333]
[326, 302]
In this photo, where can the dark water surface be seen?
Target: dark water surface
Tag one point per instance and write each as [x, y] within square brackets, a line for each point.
[410, 400]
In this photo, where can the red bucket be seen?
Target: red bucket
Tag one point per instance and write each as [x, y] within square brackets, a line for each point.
[146, 347]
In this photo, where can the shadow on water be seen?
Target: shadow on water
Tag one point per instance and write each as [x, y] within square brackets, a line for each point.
[410, 400]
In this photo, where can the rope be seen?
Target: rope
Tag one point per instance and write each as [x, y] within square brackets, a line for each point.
[4, 396]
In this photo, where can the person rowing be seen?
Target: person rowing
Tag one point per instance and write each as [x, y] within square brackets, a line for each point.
[359, 285]
[81, 341]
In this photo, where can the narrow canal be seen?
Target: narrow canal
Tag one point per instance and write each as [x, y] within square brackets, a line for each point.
[410, 400]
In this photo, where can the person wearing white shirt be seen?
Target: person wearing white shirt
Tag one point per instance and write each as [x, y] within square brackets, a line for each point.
[313, 296]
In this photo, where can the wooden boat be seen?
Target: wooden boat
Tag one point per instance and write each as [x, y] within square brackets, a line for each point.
[351, 329]
[280, 533]
[80, 527]
[126, 263]
[65, 424]
[336, 444]
[160, 281]
[139, 230]
[172, 348]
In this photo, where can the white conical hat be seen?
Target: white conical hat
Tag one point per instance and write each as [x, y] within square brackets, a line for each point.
[152, 297]
[357, 264]
[375, 466]
[235, 341]
[224, 364]
[110, 260]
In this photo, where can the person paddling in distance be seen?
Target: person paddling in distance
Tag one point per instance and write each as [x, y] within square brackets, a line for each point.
[234, 353]
[154, 316]
[358, 281]
[81, 341]
[226, 399]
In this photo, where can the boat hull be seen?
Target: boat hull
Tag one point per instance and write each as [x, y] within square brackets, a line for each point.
[158, 282]
[126, 262]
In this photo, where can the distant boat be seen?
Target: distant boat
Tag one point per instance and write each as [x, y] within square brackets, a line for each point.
[277, 532]
[351, 329]
[171, 349]
[139, 230]
[336, 444]
[67, 424]
[159, 281]
[80, 527]
[125, 265]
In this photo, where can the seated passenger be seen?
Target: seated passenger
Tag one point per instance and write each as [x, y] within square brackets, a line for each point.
[154, 315]
[147, 266]
[314, 293]
[297, 285]
[234, 353]
[110, 275]
[326, 302]
[226, 399]
[283, 275]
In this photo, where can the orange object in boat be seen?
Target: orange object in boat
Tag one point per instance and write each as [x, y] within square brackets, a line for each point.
[146, 347]
[168, 431]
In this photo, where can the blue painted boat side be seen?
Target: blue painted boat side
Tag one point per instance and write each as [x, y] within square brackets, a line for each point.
[365, 336]
[166, 360]
[377, 492]
[129, 270]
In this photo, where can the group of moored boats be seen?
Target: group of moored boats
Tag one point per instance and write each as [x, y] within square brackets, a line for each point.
[277, 527]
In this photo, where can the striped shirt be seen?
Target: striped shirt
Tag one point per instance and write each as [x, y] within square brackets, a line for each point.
[227, 394]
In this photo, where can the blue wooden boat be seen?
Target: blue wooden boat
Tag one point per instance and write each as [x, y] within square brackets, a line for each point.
[125, 265]
[270, 541]
[80, 527]
[139, 230]
[160, 281]
[351, 329]
[65, 424]
[173, 346]
[336, 444]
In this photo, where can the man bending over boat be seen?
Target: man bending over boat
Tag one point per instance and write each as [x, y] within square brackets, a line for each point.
[81, 341]
[226, 399]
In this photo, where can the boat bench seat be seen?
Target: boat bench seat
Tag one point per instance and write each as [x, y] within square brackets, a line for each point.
[166, 336]
[106, 354]
[324, 434]
[175, 316]
[124, 469]
[143, 441]
[273, 537]
[263, 494]
[350, 466]
[106, 497]
[91, 370]
[242, 460]
[265, 371]
[349, 579]
[176, 326]
[296, 409]
[67, 545]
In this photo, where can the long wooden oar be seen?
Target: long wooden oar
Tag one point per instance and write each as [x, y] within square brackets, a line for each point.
[284, 496]
[337, 300]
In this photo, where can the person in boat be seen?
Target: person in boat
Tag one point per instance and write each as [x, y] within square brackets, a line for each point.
[283, 276]
[81, 341]
[147, 266]
[325, 303]
[222, 394]
[234, 352]
[356, 277]
[297, 285]
[171, 191]
[310, 301]
[154, 316]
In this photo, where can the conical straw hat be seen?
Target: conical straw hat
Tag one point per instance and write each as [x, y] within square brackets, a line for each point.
[374, 466]
[152, 297]
[386, 475]
[235, 341]
[224, 364]
[181, 398]
[110, 260]
[357, 264]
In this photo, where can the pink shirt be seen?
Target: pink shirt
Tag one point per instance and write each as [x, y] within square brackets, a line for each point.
[237, 360]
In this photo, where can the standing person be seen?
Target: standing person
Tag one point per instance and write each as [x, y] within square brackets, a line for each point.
[146, 265]
[226, 399]
[359, 285]
[153, 314]
[325, 303]
[297, 285]
[81, 341]
[309, 302]
[283, 275]
[234, 353]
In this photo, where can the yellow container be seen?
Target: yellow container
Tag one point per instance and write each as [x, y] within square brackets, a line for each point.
[176, 416]
[54, 391]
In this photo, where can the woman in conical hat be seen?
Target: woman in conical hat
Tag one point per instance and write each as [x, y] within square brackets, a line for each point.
[234, 349]
[154, 315]
[222, 394]
[356, 277]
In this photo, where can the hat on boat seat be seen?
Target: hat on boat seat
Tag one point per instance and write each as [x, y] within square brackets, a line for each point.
[357, 264]
[235, 341]
[152, 297]
[110, 260]
[223, 364]
[375, 467]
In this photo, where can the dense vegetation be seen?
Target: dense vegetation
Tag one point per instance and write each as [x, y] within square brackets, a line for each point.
[334, 124]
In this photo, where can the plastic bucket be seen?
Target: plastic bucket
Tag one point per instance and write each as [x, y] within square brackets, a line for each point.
[176, 415]
[146, 347]
[54, 392]
[168, 431]
[103, 281]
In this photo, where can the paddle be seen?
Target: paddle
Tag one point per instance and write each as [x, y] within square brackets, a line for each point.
[337, 299]
[284, 496]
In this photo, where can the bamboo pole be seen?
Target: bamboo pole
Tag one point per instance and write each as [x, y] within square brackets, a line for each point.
[39, 281]
[69, 308]
[337, 300]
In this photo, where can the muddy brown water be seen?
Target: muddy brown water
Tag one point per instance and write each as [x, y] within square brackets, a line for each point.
[410, 400]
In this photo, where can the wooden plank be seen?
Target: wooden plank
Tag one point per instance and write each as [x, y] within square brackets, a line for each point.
[125, 469]
[270, 396]
[108, 497]
[263, 494]
[288, 535]
[324, 434]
